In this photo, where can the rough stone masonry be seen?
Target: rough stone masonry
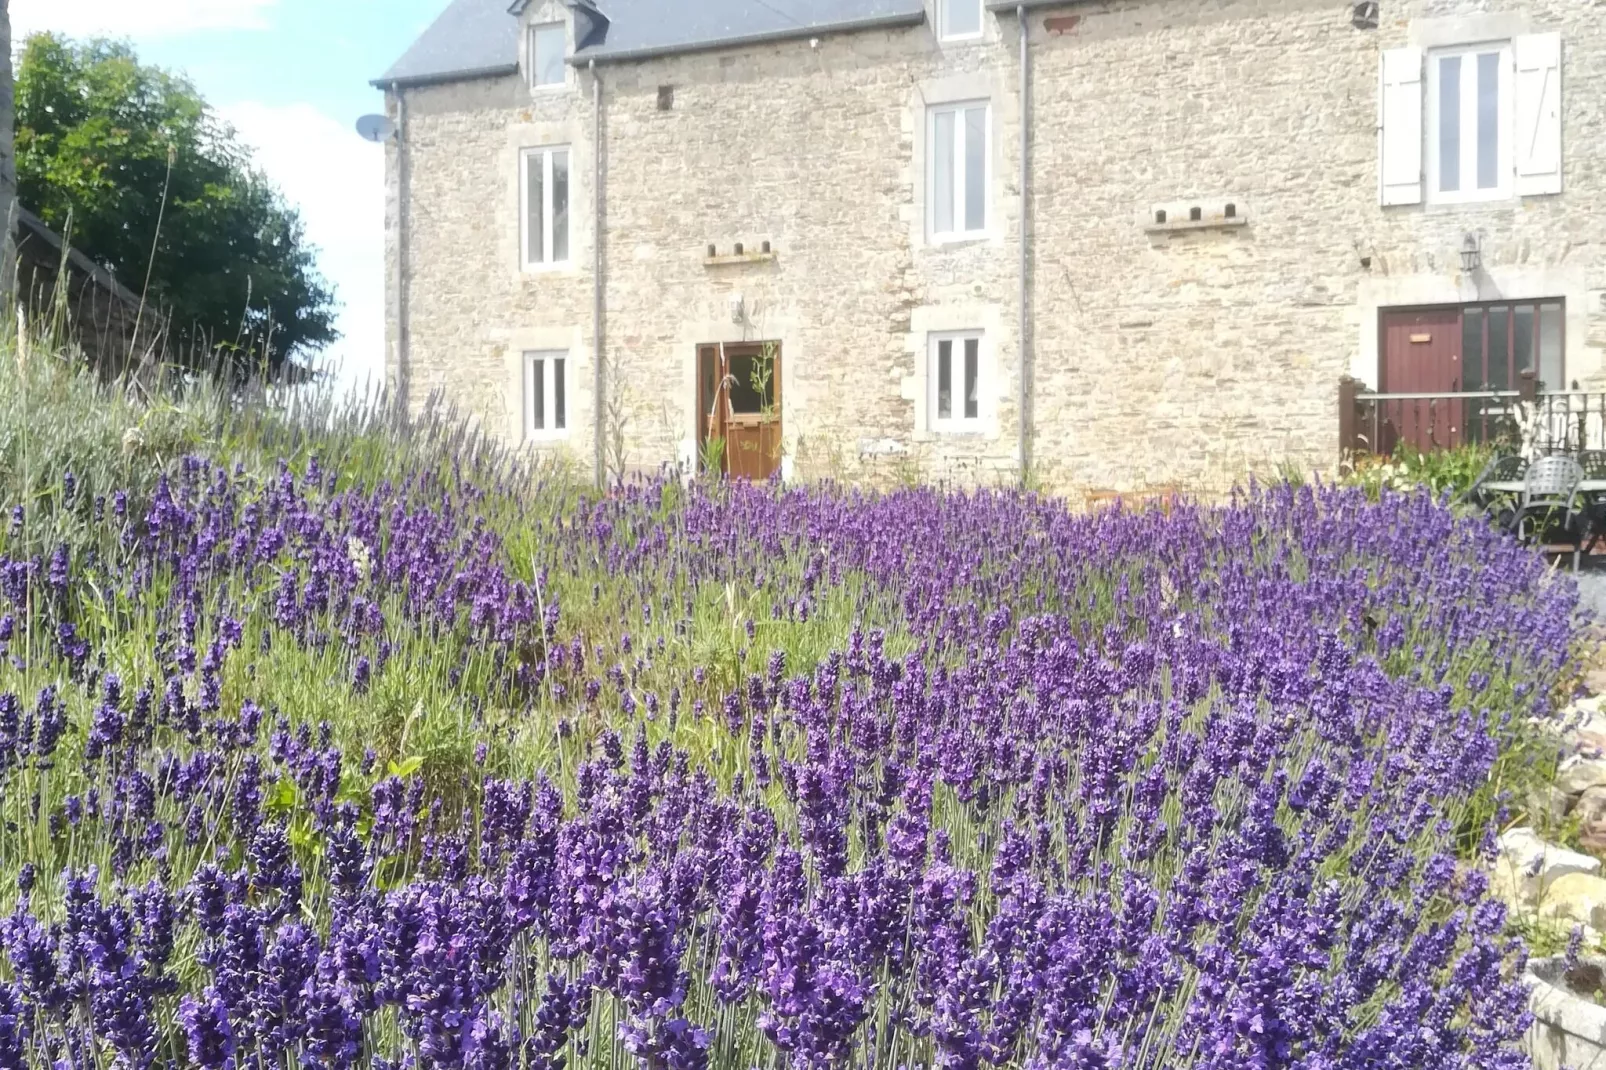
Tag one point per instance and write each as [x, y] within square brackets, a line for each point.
[1159, 355]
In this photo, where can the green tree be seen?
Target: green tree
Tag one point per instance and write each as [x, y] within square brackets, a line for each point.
[8, 170]
[161, 192]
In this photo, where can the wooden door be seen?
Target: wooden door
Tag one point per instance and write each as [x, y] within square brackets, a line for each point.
[1421, 355]
[739, 408]
[710, 409]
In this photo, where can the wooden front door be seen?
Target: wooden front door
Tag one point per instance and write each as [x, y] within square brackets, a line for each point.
[739, 409]
[1421, 355]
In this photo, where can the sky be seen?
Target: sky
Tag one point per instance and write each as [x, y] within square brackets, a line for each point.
[292, 77]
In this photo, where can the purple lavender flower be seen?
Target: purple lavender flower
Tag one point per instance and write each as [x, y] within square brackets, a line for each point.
[207, 1031]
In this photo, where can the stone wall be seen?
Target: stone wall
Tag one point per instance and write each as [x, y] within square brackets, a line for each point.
[1182, 357]
[1205, 354]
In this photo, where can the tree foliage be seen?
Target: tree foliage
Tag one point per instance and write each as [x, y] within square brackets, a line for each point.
[8, 170]
[159, 190]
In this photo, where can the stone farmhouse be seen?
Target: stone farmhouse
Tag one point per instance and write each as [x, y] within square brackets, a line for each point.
[1116, 244]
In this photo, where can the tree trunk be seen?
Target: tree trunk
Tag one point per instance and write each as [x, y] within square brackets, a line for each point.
[8, 161]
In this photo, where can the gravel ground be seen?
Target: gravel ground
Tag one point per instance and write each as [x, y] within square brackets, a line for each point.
[1592, 593]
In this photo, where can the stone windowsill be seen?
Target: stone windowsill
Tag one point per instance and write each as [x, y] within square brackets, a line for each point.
[1177, 226]
[728, 259]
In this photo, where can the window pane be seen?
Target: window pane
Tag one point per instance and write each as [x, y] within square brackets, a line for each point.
[1551, 366]
[560, 406]
[942, 163]
[534, 200]
[1500, 348]
[560, 207]
[548, 53]
[537, 375]
[752, 385]
[961, 18]
[1472, 348]
[972, 346]
[1522, 338]
[1449, 123]
[945, 376]
[1488, 120]
[975, 168]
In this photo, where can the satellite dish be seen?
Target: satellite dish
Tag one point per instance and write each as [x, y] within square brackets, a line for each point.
[376, 128]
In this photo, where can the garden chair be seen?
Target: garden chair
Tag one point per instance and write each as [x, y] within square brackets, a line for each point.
[1549, 486]
[1502, 468]
[1593, 462]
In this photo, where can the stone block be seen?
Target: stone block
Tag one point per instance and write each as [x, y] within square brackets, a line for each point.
[1575, 897]
[1577, 774]
[1551, 803]
[1591, 806]
[1526, 865]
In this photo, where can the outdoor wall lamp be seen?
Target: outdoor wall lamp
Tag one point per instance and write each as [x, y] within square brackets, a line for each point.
[1471, 253]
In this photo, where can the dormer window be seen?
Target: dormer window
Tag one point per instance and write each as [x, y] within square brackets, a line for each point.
[548, 43]
[958, 20]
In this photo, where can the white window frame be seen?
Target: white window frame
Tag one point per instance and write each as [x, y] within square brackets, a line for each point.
[534, 31]
[944, 7]
[956, 422]
[958, 109]
[547, 358]
[1505, 157]
[543, 157]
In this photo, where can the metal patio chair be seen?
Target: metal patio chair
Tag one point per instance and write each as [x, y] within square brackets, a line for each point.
[1593, 462]
[1550, 486]
[1502, 468]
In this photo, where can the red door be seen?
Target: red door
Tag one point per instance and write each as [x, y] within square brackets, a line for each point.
[1421, 355]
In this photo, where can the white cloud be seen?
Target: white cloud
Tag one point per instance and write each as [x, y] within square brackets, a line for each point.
[138, 19]
[336, 180]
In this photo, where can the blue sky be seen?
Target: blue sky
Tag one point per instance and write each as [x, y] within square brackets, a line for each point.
[292, 76]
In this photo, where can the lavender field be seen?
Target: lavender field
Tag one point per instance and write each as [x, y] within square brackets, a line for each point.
[348, 749]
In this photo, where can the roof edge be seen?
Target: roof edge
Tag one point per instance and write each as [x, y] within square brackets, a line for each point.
[791, 33]
[105, 279]
[518, 7]
[417, 80]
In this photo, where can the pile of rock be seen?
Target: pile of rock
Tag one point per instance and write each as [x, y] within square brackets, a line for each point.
[1536, 877]
[1581, 779]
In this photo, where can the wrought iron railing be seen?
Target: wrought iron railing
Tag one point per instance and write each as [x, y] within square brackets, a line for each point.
[1569, 421]
[1527, 419]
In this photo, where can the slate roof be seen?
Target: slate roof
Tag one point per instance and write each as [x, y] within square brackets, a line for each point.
[471, 38]
[476, 38]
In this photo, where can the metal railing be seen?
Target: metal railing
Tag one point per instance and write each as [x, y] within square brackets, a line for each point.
[1526, 418]
[1570, 421]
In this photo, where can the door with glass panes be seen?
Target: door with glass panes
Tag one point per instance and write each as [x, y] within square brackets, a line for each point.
[1465, 350]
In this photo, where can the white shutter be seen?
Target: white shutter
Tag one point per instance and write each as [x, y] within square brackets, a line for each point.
[1537, 102]
[1399, 127]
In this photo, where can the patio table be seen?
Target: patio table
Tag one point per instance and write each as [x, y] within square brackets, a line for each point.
[1587, 488]
[1514, 486]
